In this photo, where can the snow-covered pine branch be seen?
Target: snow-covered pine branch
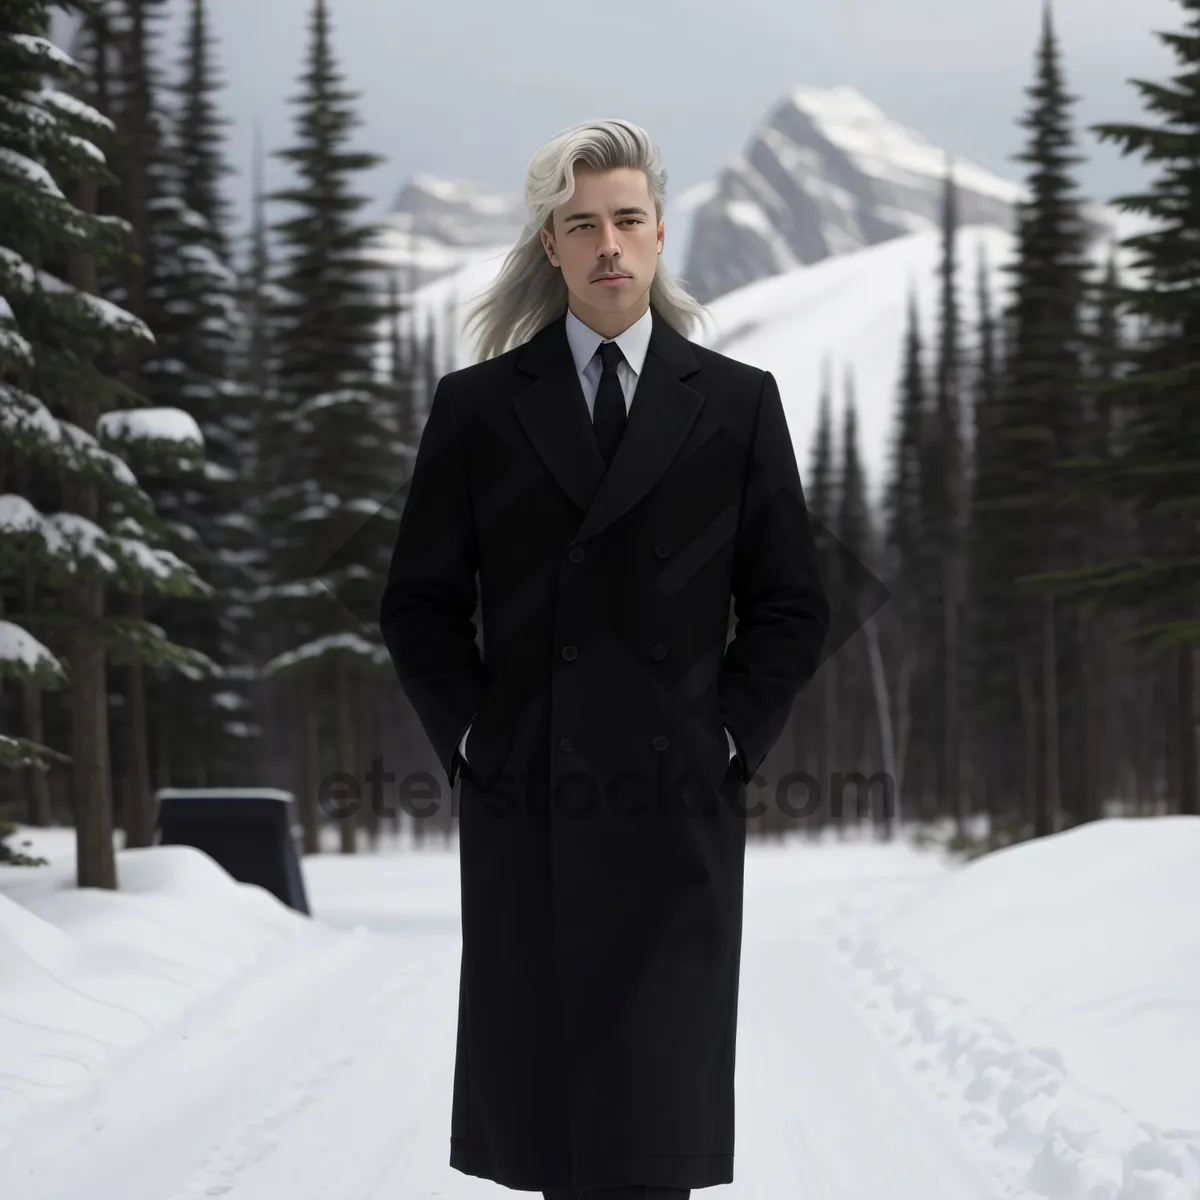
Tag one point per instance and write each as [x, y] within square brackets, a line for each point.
[24, 658]
[155, 435]
[136, 640]
[18, 753]
[299, 661]
[84, 314]
[15, 351]
[59, 546]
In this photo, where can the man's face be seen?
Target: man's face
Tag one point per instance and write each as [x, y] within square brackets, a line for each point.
[607, 227]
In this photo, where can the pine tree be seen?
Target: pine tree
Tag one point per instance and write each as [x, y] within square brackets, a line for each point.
[855, 541]
[32, 558]
[904, 554]
[902, 501]
[192, 294]
[257, 358]
[55, 336]
[853, 518]
[1106, 531]
[407, 374]
[174, 284]
[1156, 465]
[928, 591]
[331, 504]
[989, 630]
[988, 363]
[945, 507]
[1038, 421]
[821, 496]
[200, 157]
[821, 486]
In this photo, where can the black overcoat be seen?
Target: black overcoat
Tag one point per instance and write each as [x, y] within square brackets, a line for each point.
[602, 826]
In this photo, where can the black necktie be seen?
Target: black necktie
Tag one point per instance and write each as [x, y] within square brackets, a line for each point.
[608, 414]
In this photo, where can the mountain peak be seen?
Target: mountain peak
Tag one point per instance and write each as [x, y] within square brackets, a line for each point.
[878, 144]
[826, 173]
[438, 225]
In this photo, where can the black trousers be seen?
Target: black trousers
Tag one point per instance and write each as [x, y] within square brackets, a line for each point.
[634, 1191]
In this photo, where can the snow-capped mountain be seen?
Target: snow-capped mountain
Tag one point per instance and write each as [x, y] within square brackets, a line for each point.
[826, 173]
[437, 226]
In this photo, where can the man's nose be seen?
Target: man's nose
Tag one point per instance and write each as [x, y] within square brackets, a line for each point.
[609, 245]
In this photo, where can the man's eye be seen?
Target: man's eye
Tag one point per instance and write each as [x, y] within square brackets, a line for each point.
[587, 225]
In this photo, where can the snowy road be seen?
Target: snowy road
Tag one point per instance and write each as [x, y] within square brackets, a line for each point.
[329, 1074]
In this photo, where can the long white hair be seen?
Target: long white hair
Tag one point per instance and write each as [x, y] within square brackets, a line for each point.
[530, 291]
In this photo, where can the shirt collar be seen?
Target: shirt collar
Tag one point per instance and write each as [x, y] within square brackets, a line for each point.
[634, 341]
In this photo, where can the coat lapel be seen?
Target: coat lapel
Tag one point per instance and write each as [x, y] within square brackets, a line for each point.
[555, 417]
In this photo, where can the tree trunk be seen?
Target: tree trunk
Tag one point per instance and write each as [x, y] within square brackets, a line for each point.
[1185, 668]
[1049, 810]
[139, 803]
[1189, 784]
[309, 747]
[348, 822]
[1146, 714]
[39, 810]
[883, 711]
[91, 772]
[1029, 804]
[91, 769]
[950, 727]
[829, 748]
[904, 680]
[163, 737]
[306, 722]
[370, 754]
[1095, 683]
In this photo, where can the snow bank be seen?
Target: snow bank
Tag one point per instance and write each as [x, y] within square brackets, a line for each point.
[1051, 993]
[88, 975]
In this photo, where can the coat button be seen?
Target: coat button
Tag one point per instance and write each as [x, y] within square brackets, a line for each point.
[662, 550]
[659, 651]
[660, 743]
[576, 554]
[570, 653]
[567, 745]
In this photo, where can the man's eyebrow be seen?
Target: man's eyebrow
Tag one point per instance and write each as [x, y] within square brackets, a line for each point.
[619, 212]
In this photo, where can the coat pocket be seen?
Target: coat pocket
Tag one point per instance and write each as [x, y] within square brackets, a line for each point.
[491, 738]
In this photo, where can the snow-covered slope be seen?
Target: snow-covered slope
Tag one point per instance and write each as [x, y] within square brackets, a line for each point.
[1050, 993]
[850, 311]
[826, 173]
[436, 226]
[1088, 970]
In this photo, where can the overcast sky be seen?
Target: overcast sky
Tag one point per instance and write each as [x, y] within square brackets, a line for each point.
[470, 88]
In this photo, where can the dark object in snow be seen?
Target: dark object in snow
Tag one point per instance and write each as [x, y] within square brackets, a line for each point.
[247, 831]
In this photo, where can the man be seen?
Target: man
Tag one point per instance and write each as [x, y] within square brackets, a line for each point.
[614, 486]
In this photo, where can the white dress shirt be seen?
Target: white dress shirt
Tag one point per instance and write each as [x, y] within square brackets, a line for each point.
[634, 343]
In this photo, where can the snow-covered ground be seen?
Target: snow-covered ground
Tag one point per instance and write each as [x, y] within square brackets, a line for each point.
[1027, 1025]
[1050, 993]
